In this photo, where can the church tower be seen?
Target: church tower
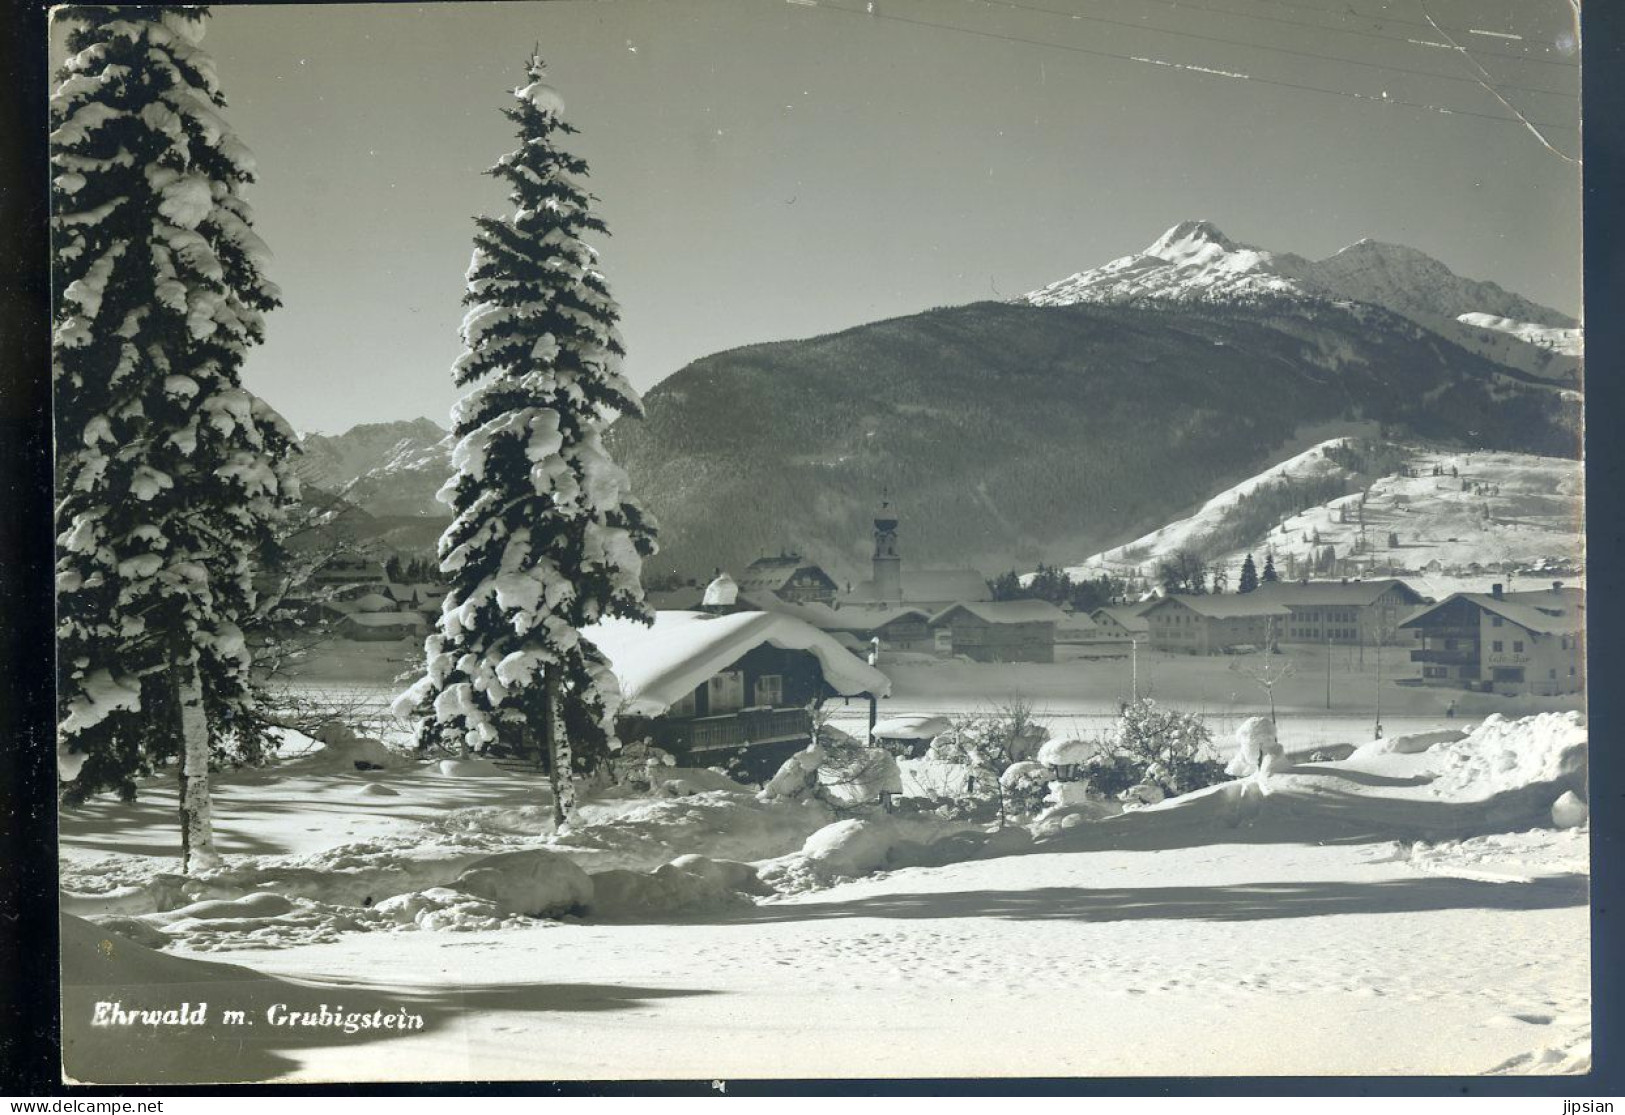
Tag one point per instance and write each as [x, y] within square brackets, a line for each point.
[888, 563]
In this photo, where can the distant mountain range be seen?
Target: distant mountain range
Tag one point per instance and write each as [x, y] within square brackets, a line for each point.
[1061, 424]
[1194, 263]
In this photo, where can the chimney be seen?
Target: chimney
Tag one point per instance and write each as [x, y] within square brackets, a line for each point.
[1495, 590]
[720, 595]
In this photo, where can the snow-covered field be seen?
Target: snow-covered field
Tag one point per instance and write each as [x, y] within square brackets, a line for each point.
[1411, 909]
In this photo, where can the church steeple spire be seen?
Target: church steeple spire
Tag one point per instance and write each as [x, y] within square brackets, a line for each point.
[888, 562]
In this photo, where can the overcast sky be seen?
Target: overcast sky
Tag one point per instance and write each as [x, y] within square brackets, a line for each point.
[774, 169]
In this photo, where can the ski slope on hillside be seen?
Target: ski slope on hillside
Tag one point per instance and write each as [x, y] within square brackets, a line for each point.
[1497, 511]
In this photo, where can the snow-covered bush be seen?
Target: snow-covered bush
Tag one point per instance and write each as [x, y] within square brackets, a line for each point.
[1257, 749]
[853, 776]
[639, 764]
[1024, 786]
[1164, 748]
[796, 778]
[985, 747]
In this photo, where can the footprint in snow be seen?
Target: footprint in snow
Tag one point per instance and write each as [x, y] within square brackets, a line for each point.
[1506, 1020]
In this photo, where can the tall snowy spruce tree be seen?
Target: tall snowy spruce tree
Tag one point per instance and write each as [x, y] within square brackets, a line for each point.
[546, 537]
[170, 476]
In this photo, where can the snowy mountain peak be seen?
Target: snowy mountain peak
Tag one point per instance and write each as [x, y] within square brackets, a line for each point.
[1192, 262]
[1195, 263]
[1188, 239]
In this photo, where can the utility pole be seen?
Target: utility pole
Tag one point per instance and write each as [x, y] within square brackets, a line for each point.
[1326, 630]
[1379, 687]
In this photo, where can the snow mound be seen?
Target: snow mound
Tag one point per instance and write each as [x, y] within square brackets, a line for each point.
[1568, 811]
[1412, 744]
[534, 882]
[444, 909]
[1501, 755]
[684, 780]
[856, 847]
[469, 768]
[687, 885]
[725, 825]
[250, 907]
[344, 750]
[851, 847]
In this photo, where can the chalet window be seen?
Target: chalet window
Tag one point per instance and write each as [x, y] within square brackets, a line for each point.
[684, 707]
[1517, 646]
[1551, 673]
[1564, 642]
[1571, 671]
[770, 690]
[726, 691]
[1496, 646]
[1495, 621]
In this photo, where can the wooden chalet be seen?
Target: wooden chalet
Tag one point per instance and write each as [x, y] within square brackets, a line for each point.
[1002, 631]
[709, 687]
[790, 577]
[1511, 643]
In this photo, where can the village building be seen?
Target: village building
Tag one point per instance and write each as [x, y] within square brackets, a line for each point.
[1511, 643]
[1003, 631]
[1214, 624]
[1076, 629]
[1121, 622]
[790, 577]
[711, 687]
[381, 627]
[1355, 613]
[349, 569]
[892, 585]
[855, 628]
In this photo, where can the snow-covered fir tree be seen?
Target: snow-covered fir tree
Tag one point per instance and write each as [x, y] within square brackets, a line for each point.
[170, 476]
[546, 537]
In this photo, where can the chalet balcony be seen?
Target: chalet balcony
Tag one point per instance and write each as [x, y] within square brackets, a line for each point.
[748, 726]
[1439, 657]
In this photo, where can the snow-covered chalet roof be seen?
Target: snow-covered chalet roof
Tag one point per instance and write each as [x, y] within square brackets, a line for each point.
[1004, 611]
[1332, 593]
[658, 666]
[1540, 613]
[1225, 605]
[1126, 616]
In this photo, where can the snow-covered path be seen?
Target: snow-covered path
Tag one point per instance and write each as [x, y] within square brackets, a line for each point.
[1219, 959]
